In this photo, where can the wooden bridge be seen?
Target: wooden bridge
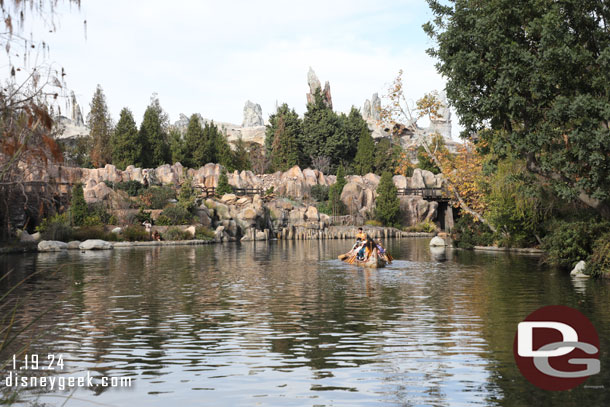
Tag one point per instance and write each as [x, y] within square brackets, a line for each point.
[208, 192]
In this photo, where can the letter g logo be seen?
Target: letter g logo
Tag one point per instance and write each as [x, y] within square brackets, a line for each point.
[553, 345]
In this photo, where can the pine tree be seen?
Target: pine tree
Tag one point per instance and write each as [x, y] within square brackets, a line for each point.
[126, 143]
[365, 156]
[283, 139]
[78, 205]
[320, 124]
[241, 156]
[100, 127]
[196, 145]
[387, 204]
[334, 194]
[386, 156]
[153, 133]
[223, 185]
[177, 147]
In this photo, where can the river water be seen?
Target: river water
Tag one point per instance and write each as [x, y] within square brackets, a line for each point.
[286, 324]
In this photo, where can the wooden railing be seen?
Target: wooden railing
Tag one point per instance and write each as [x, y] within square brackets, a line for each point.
[426, 193]
[208, 192]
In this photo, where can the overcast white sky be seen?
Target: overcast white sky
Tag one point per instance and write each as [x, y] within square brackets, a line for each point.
[210, 57]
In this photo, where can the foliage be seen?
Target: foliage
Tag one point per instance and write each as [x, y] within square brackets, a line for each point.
[187, 198]
[175, 233]
[126, 142]
[387, 156]
[94, 232]
[203, 233]
[325, 208]
[387, 204]
[598, 264]
[135, 233]
[78, 205]
[141, 217]
[468, 233]
[319, 123]
[177, 147]
[337, 207]
[241, 155]
[424, 162]
[175, 215]
[76, 152]
[157, 197]
[373, 222]
[536, 70]
[320, 192]
[56, 227]
[223, 185]
[568, 242]
[100, 129]
[133, 188]
[284, 139]
[365, 156]
[425, 226]
[206, 145]
[153, 135]
[269, 191]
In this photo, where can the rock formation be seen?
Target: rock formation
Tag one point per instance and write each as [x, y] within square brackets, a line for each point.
[314, 85]
[253, 115]
[77, 115]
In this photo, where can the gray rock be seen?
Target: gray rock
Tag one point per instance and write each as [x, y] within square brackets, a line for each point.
[51, 246]
[376, 107]
[74, 245]
[26, 237]
[95, 244]
[437, 242]
[117, 231]
[253, 115]
[579, 269]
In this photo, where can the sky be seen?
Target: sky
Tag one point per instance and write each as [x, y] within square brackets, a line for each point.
[209, 57]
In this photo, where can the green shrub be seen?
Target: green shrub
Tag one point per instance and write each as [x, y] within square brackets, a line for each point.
[422, 227]
[203, 233]
[175, 233]
[78, 206]
[373, 222]
[569, 242]
[175, 215]
[94, 232]
[57, 227]
[92, 220]
[142, 217]
[320, 192]
[387, 204]
[135, 233]
[187, 196]
[133, 188]
[598, 264]
[270, 191]
[223, 185]
[324, 207]
[157, 197]
[163, 220]
[467, 233]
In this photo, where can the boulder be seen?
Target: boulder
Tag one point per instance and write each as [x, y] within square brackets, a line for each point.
[36, 236]
[117, 231]
[417, 179]
[191, 230]
[312, 214]
[253, 115]
[579, 269]
[74, 245]
[228, 198]
[371, 179]
[400, 181]
[25, 237]
[429, 179]
[95, 244]
[51, 246]
[437, 242]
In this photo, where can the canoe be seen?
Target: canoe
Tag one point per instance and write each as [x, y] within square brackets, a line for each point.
[374, 261]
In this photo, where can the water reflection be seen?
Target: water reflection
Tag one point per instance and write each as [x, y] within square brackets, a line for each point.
[285, 323]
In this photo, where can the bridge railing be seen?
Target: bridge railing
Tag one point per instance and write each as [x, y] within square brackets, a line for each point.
[208, 192]
[426, 193]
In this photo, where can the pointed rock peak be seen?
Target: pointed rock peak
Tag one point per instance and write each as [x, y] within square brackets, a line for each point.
[313, 81]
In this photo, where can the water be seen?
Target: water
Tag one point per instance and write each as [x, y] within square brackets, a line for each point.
[286, 324]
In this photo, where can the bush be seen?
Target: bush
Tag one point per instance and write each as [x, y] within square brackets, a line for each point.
[175, 215]
[78, 206]
[157, 197]
[598, 264]
[270, 191]
[142, 217]
[387, 205]
[176, 234]
[135, 233]
[422, 227]
[57, 227]
[94, 232]
[467, 233]
[373, 222]
[133, 188]
[99, 215]
[187, 198]
[324, 207]
[203, 233]
[319, 193]
[569, 242]
[223, 185]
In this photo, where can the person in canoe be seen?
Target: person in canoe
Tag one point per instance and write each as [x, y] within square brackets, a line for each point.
[383, 253]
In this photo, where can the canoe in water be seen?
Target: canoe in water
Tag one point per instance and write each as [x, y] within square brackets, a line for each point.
[374, 261]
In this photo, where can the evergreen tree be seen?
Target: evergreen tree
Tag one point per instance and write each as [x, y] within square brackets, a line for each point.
[334, 193]
[196, 145]
[223, 185]
[187, 196]
[100, 127]
[78, 205]
[126, 143]
[343, 146]
[283, 138]
[222, 149]
[177, 147]
[241, 156]
[387, 156]
[387, 204]
[365, 155]
[153, 133]
[319, 125]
